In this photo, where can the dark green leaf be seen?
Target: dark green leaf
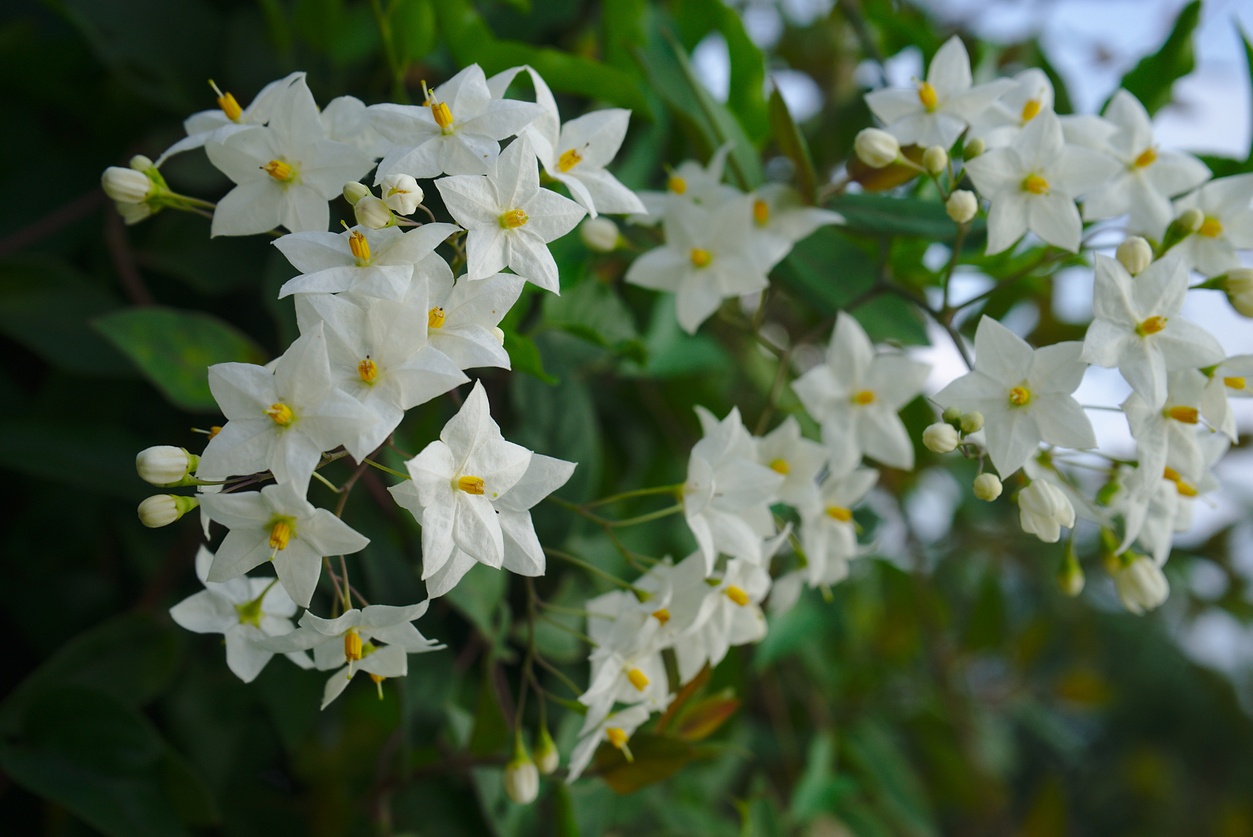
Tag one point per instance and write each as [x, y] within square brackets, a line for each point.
[414, 28]
[1152, 78]
[899, 216]
[745, 98]
[524, 356]
[792, 143]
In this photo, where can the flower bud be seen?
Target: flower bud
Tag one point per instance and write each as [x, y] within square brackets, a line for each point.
[1043, 509]
[354, 191]
[940, 437]
[974, 148]
[1070, 575]
[961, 206]
[163, 509]
[1237, 283]
[521, 776]
[1135, 254]
[125, 185]
[876, 148]
[599, 234]
[935, 159]
[1190, 220]
[141, 163]
[164, 464]
[972, 422]
[547, 759]
[371, 212]
[401, 193]
[1140, 583]
[988, 487]
[952, 415]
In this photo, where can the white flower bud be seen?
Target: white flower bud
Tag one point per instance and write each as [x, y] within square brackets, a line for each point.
[940, 437]
[547, 759]
[401, 193]
[1190, 220]
[1135, 254]
[974, 148]
[1238, 285]
[354, 191]
[373, 213]
[1070, 575]
[1140, 583]
[962, 206]
[988, 487]
[876, 148]
[141, 163]
[163, 509]
[972, 422]
[935, 159]
[1043, 509]
[164, 464]
[599, 234]
[521, 777]
[125, 185]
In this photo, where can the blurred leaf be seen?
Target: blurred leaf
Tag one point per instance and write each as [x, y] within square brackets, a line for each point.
[827, 270]
[592, 311]
[689, 689]
[818, 788]
[1248, 66]
[886, 215]
[703, 718]
[697, 18]
[490, 734]
[174, 350]
[1152, 78]
[524, 356]
[672, 352]
[655, 758]
[85, 455]
[902, 796]
[478, 596]
[622, 31]
[414, 26]
[986, 627]
[792, 143]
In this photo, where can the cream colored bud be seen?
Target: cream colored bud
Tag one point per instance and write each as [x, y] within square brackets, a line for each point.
[599, 234]
[141, 163]
[1043, 509]
[164, 464]
[935, 159]
[372, 213]
[125, 185]
[1190, 220]
[988, 487]
[163, 509]
[354, 191]
[974, 148]
[1140, 583]
[1070, 578]
[547, 759]
[962, 206]
[401, 193]
[972, 422]
[940, 437]
[876, 148]
[1238, 285]
[1135, 254]
[521, 776]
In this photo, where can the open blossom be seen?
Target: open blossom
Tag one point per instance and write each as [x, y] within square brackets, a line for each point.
[828, 530]
[463, 316]
[730, 615]
[228, 116]
[615, 729]
[689, 184]
[780, 219]
[784, 451]
[1226, 226]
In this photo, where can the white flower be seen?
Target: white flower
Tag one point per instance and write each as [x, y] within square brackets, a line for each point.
[689, 184]
[1043, 509]
[277, 524]
[286, 171]
[857, 394]
[1230, 379]
[229, 117]
[600, 234]
[1140, 584]
[456, 131]
[346, 119]
[784, 451]
[401, 193]
[1023, 394]
[730, 615]
[242, 610]
[1032, 185]
[615, 728]
[780, 219]
[509, 218]
[1000, 123]
[828, 532]
[941, 107]
[1135, 327]
[1226, 226]
[1167, 433]
[463, 317]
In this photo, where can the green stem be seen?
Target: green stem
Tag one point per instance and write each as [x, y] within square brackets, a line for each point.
[645, 518]
[579, 562]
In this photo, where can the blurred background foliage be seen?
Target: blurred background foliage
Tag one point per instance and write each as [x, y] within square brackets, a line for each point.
[949, 691]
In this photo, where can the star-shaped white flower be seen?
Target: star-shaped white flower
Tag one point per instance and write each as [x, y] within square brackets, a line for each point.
[509, 219]
[1135, 326]
[784, 451]
[730, 615]
[615, 728]
[690, 183]
[463, 319]
[229, 117]
[828, 531]
[780, 219]
[1227, 225]
[1023, 394]
[856, 396]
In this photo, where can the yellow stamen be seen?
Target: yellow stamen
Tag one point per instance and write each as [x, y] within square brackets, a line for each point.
[378, 683]
[359, 246]
[927, 95]
[352, 645]
[513, 219]
[568, 160]
[780, 466]
[227, 103]
[471, 485]
[1185, 415]
[638, 679]
[280, 535]
[368, 370]
[1147, 158]
[618, 738]
[737, 595]
[435, 317]
[864, 397]
[1185, 489]
[839, 513]
[761, 212]
[213, 431]
[1171, 474]
[1019, 397]
[1151, 326]
[280, 171]
[676, 184]
[281, 414]
[662, 616]
[1211, 227]
[1035, 184]
[443, 116]
[1031, 109]
[700, 258]
[1234, 383]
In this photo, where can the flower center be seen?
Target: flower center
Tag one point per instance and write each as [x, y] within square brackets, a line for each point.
[280, 171]
[360, 247]
[249, 613]
[368, 370]
[352, 645]
[1019, 397]
[1211, 227]
[927, 95]
[863, 398]
[227, 103]
[780, 466]
[700, 258]
[617, 737]
[568, 160]
[676, 184]
[638, 679]
[839, 513]
[435, 317]
[280, 534]
[1147, 158]
[513, 219]
[1233, 383]
[662, 616]
[471, 485]
[1035, 184]
[737, 595]
[280, 414]
[1031, 109]
[1185, 415]
[761, 212]
[1151, 326]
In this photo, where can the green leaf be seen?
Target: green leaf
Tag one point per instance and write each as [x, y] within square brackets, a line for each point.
[818, 788]
[1248, 65]
[478, 597]
[524, 356]
[826, 270]
[654, 758]
[414, 28]
[1151, 80]
[901, 794]
[886, 215]
[593, 312]
[174, 350]
[696, 18]
[792, 143]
